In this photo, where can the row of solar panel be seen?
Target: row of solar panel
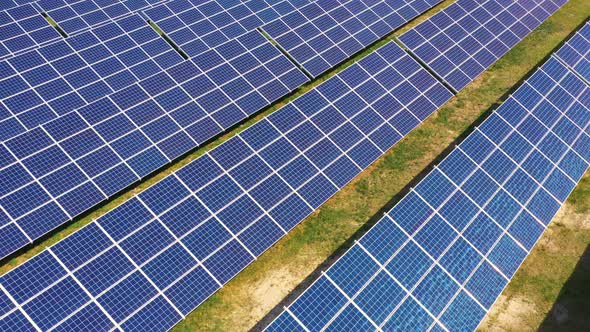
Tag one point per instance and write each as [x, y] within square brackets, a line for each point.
[439, 259]
[59, 92]
[59, 170]
[152, 260]
[43, 84]
[56, 79]
[84, 80]
[108, 121]
[161, 305]
[23, 25]
[467, 37]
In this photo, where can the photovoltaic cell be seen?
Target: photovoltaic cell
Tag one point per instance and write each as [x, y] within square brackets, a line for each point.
[576, 52]
[51, 81]
[63, 167]
[440, 258]
[324, 33]
[22, 28]
[177, 242]
[467, 37]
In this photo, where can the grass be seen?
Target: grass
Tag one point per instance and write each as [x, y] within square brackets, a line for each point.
[580, 198]
[329, 231]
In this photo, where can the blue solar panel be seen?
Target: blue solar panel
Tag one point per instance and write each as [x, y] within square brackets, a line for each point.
[53, 80]
[67, 165]
[67, 75]
[78, 15]
[196, 26]
[173, 245]
[440, 258]
[467, 37]
[324, 33]
[576, 52]
[22, 28]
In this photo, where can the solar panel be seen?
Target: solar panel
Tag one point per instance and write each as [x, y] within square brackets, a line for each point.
[169, 248]
[324, 33]
[22, 28]
[46, 83]
[66, 166]
[78, 15]
[196, 26]
[467, 37]
[30, 101]
[440, 258]
[576, 52]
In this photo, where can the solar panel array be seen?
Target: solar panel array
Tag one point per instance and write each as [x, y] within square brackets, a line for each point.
[576, 52]
[324, 33]
[43, 84]
[467, 37]
[95, 63]
[196, 26]
[66, 75]
[22, 28]
[439, 259]
[84, 117]
[62, 168]
[152, 260]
